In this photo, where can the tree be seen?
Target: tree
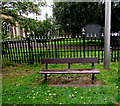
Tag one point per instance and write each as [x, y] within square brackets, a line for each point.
[16, 10]
[72, 16]
[115, 17]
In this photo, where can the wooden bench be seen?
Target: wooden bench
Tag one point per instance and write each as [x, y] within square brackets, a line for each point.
[70, 71]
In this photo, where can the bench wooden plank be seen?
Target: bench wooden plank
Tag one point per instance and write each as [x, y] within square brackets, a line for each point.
[69, 60]
[69, 71]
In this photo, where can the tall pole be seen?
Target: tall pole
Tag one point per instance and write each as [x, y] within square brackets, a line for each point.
[107, 34]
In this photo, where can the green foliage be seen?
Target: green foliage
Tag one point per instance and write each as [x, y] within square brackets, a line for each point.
[16, 10]
[115, 17]
[47, 28]
[42, 29]
[72, 16]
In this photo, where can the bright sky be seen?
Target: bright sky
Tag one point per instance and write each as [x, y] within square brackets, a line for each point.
[47, 10]
[44, 10]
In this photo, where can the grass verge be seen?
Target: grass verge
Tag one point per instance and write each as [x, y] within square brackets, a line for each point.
[19, 86]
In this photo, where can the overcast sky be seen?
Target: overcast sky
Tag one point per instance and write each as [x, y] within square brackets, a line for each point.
[44, 10]
[47, 10]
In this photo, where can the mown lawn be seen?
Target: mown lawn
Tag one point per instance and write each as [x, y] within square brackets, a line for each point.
[20, 86]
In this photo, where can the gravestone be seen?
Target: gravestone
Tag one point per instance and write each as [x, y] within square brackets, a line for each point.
[92, 30]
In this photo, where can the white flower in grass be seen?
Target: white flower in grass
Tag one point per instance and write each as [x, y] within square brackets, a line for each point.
[89, 89]
[105, 99]
[84, 103]
[81, 97]
[8, 99]
[60, 103]
[54, 94]
[50, 94]
[46, 99]
[19, 97]
[33, 97]
[75, 92]
[48, 91]
[71, 95]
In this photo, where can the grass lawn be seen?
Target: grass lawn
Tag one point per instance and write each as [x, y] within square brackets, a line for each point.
[20, 86]
[74, 41]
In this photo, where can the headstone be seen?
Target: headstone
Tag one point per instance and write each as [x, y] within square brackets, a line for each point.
[92, 30]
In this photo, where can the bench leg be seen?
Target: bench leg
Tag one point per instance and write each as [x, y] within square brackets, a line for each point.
[93, 78]
[45, 77]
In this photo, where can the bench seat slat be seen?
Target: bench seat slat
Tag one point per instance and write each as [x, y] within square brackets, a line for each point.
[69, 60]
[69, 71]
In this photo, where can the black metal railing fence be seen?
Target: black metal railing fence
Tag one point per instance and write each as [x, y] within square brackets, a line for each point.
[33, 50]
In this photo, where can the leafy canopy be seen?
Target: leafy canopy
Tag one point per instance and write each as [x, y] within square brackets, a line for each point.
[72, 16]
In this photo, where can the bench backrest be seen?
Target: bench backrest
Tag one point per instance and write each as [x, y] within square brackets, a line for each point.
[69, 60]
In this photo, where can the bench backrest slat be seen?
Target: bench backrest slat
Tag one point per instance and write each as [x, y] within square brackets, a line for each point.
[69, 60]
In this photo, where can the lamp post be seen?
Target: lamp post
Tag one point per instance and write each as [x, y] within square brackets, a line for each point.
[107, 34]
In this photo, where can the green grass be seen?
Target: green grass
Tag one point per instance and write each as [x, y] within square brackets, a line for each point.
[73, 41]
[20, 86]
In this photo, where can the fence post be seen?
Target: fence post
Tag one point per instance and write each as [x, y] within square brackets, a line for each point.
[30, 49]
[83, 36]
